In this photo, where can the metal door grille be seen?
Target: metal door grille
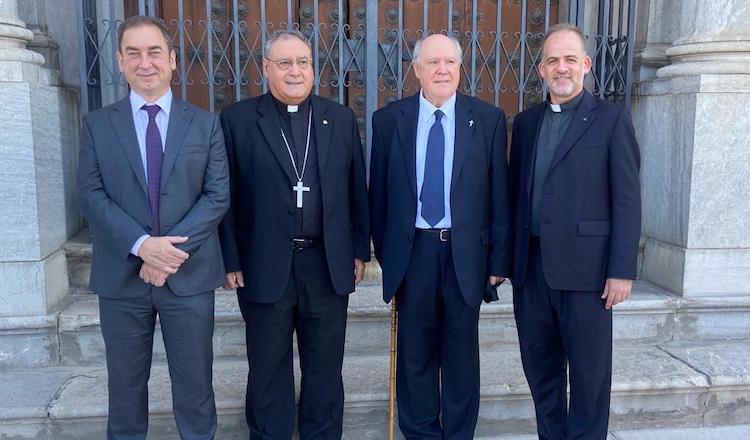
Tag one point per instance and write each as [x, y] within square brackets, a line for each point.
[361, 48]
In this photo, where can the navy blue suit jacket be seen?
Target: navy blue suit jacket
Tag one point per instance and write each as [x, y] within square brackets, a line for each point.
[590, 219]
[480, 232]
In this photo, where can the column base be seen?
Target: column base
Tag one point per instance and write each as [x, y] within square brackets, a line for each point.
[697, 272]
[29, 288]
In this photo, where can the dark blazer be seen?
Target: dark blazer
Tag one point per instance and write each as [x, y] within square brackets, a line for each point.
[114, 198]
[480, 233]
[591, 203]
[256, 233]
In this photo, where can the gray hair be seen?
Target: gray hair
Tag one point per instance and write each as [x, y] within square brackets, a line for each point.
[418, 47]
[564, 27]
[284, 34]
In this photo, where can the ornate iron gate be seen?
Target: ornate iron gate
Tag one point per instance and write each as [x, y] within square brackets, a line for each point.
[361, 48]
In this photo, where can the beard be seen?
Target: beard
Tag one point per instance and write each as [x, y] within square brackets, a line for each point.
[564, 89]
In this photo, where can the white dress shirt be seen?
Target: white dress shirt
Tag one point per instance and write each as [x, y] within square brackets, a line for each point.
[424, 123]
[140, 120]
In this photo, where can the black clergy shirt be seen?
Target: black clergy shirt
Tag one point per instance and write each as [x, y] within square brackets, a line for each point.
[551, 131]
[308, 220]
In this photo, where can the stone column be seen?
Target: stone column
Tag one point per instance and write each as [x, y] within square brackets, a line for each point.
[693, 123]
[657, 27]
[38, 144]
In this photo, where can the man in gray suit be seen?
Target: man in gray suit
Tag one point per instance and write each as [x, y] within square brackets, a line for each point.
[153, 183]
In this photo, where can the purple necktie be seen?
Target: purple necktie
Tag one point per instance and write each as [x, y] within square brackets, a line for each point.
[154, 153]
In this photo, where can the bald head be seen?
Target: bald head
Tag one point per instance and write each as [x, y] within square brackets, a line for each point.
[437, 39]
[437, 66]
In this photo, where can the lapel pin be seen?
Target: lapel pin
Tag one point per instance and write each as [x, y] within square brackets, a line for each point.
[325, 121]
[585, 118]
[471, 123]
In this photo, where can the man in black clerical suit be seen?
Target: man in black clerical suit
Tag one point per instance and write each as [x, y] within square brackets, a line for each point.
[295, 240]
[576, 193]
[441, 230]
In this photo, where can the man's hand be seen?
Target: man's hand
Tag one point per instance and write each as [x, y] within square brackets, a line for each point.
[496, 281]
[359, 270]
[152, 275]
[160, 253]
[234, 280]
[616, 291]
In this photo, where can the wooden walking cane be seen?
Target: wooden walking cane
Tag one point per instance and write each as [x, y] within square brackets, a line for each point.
[392, 376]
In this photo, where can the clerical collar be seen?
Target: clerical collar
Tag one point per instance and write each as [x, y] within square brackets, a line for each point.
[285, 109]
[572, 104]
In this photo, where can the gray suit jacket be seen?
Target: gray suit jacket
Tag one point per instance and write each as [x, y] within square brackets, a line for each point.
[113, 196]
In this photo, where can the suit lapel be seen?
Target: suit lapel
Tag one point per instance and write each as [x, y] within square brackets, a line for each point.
[530, 153]
[465, 126]
[179, 121]
[121, 118]
[323, 127]
[407, 131]
[582, 120]
[271, 129]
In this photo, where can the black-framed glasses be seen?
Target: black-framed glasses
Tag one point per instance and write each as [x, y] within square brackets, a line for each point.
[286, 63]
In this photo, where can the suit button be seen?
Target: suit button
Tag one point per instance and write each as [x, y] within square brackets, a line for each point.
[411, 236]
[290, 212]
[526, 226]
[164, 193]
[547, 221]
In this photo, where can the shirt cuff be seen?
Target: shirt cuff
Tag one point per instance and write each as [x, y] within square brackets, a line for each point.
[137, 245]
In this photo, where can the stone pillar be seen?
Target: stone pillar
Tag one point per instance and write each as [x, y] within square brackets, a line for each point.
[657, 27]
[692, 121]
[34, 14]
[38, 147]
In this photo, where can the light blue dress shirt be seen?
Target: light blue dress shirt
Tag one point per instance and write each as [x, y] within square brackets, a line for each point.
[140, 120]
[424, 123]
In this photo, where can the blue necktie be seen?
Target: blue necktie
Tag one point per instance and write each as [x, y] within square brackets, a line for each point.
[154, 153]
[432, 195]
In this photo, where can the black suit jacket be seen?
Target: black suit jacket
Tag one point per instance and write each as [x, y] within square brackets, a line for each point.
[257, 231]
[480, 233]
[590, 218]
[114, 197]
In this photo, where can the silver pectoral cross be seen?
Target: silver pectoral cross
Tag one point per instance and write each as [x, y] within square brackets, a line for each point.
[300, 188]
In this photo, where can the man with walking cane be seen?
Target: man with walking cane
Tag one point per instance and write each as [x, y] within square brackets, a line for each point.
[440, 226]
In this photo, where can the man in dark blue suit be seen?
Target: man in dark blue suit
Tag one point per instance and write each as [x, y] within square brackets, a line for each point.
[576, 194]
[440, 223]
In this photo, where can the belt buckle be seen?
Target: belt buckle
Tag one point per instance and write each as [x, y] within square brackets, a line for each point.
[443, 234]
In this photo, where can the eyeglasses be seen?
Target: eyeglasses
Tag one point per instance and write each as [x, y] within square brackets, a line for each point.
[286, 64]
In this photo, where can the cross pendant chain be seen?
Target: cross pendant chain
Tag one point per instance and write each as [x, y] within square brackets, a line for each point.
[300, 187]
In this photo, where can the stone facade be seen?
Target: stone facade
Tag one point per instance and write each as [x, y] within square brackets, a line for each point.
[691, 120]
[687, 325]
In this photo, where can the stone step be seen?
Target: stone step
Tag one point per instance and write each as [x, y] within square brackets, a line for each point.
[736, 432]
[72, 335]
[678, 385]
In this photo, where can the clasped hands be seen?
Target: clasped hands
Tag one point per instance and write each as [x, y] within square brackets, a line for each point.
[161, 258]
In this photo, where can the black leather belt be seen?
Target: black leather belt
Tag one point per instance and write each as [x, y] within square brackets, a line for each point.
[305, 243]
[441, 234]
